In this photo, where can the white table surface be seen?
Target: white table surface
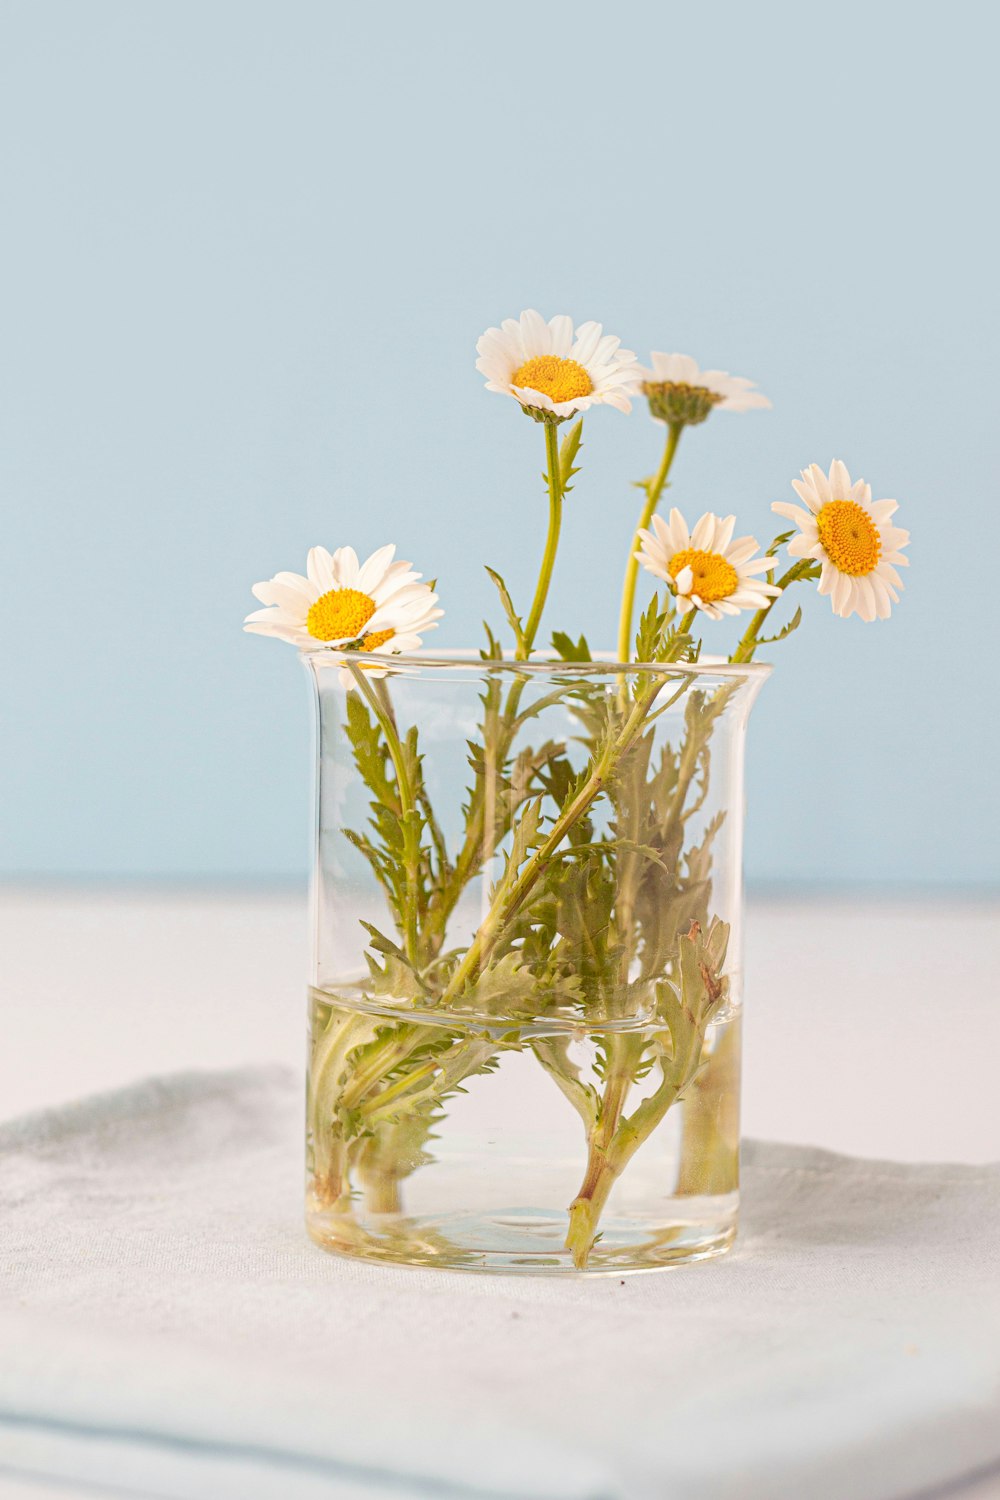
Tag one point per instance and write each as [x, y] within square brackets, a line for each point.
[873, 1026]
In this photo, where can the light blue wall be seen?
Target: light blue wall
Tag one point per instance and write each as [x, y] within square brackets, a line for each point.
[247, 251]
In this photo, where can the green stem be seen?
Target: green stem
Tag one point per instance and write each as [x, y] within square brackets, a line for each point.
[554, 477]
[612, 1150]
[443, 1073]
[406, 798]
[388, 1054]
[748, 642]
[511, 894]
[479, 845]
[407, 804]
[687, 622]
[710, 1136]
[654, 489]
[340, 1037]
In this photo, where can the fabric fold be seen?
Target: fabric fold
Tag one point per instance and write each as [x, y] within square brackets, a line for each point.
[168, 1330]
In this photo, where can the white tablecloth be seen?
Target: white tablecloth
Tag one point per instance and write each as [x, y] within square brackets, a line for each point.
[101, 987]
[168, 1329]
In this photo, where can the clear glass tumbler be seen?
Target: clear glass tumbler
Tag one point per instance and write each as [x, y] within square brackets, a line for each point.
[524, 1009]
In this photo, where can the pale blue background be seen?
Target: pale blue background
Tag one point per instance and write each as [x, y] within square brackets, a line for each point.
[247, 251]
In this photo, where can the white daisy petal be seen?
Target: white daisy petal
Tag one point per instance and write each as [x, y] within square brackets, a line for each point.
[881, 591]
[585, 345]
[754, 565]
[561, 335]
[677, 535]
[807, 493]
[345, 568]
[743, 548]
[840, 593]
[375, 567]
[789, 511]
[265, 617]
[684, 369]
[291, 601]
[820, 483]
[319, 567]
[724, 534]
[298, 582]
[865, 596]
[392, 581]
[704, 531]
[840, 481]
[536, 338]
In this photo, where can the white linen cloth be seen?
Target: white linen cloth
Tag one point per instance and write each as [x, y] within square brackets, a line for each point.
[167, 1330]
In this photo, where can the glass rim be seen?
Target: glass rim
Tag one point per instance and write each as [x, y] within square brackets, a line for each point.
[603, 664]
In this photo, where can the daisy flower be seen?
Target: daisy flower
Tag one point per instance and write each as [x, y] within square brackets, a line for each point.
[677, 391]
[850, 535]
[706, 568]
[377, 606]
[554, 370]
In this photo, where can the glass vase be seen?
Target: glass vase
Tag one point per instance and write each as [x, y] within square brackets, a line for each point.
[525, 998]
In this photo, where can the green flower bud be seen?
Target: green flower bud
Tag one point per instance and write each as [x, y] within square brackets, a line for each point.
[672, 401]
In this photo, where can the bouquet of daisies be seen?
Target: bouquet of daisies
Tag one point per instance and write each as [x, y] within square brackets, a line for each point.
[595, 901]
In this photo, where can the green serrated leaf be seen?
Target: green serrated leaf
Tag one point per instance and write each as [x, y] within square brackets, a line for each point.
[370, 753]
[505, 988]
[568, 450]
[493, 650]
[793, 624]
[650, 629]
[780, 540]
[395, 978]
[526, 834]
[569, 650]
[513, 618]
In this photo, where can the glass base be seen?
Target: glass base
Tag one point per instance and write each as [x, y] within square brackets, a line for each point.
[530, 1241]
[502, 1173]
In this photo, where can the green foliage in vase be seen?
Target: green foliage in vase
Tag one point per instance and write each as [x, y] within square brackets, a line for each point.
[596, 847]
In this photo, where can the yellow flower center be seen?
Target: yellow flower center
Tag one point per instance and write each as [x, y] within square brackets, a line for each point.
[342, 614]
[850, 537]
[376, 638]
[713, 577]
[559, 379]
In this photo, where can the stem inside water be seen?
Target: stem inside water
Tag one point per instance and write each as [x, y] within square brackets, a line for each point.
[476, 1175]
